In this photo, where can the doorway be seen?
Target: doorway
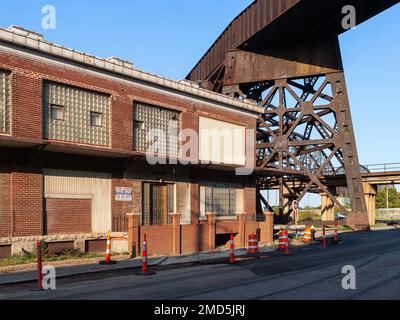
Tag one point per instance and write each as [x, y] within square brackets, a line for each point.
[158, 202]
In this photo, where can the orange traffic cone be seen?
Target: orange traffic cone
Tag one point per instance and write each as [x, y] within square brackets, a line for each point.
[108, 260]
[232, 249]
[144, 270]
[335, 239]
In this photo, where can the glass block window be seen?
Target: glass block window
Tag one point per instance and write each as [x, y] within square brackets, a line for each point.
[4, 102]
[85, 114]
[220, 200]
[166, 121]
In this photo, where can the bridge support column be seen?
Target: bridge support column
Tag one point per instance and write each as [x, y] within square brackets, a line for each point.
[370, 199]
[327, 208]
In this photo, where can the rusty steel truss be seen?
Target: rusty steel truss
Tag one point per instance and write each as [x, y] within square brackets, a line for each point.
[285, 55]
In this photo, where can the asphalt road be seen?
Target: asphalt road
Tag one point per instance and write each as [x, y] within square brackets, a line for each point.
[310, 273]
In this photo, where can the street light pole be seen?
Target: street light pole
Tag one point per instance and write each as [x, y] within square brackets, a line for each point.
[387, 200]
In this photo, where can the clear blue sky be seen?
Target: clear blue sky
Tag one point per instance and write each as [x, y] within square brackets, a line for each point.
[168, 38]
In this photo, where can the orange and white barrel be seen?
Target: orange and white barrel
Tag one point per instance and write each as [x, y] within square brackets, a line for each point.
[287, 241]
[253, 243]
[307, 235]
[282, 242]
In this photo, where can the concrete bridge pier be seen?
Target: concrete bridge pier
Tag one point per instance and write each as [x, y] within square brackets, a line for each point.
[370, 191]
[327, 208]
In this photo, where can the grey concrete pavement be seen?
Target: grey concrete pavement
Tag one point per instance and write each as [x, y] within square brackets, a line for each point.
[310, 273]
[77, 270]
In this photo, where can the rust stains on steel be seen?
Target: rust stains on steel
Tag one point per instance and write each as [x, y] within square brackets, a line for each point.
[285, 55]
[270, 21]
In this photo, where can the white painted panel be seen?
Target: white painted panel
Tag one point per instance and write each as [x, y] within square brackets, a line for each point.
[221, 142]
[202, 197]
[239, 201]
[183, 201]
[66, 183]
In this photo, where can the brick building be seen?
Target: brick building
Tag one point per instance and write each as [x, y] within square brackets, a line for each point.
[75, 146]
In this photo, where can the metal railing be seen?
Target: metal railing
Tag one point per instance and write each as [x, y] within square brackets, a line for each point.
[383, 167]
[120, 223]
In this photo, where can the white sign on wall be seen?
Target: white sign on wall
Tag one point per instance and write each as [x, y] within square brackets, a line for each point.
[123, 194]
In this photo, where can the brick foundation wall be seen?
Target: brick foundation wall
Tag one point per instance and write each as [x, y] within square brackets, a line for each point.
[194, 238]
[159, 239]
[64, 216]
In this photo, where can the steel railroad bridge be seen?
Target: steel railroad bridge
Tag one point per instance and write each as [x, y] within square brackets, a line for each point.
[285, 55]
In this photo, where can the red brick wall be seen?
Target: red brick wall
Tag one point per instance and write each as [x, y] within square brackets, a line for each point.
[194, 238]
[68, 216]
[5, 205]
[27, 202]
[119, 209]
[250, 201]
[27, 82]
[159, 239]
[26, 101]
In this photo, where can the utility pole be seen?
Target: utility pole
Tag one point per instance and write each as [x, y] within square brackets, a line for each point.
[387, 199]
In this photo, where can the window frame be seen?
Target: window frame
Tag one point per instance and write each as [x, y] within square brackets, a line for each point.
[210, 191]
[101, 119]
[141, 121]
[52, 106]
